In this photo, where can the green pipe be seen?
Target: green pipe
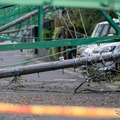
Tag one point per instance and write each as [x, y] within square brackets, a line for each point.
[110, 21]
[40, 23]
[98, 4]
[60, 43]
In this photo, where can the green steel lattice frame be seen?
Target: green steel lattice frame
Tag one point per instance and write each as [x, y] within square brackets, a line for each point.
[98, 4]
[60, 43]
[101, 4]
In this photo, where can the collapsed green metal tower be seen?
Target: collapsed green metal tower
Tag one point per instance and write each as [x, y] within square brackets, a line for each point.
[12, 10]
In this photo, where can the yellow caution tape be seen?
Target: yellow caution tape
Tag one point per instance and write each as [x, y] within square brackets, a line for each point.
[71, 111]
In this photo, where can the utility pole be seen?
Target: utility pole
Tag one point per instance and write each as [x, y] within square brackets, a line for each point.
[49, 66]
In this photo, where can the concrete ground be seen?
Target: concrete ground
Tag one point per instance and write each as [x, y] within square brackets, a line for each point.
[52, 88]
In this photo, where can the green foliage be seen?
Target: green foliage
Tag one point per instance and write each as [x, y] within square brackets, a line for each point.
[46, 34]
[56, 32]
[54, 50]
[117, 77]
[110, 77]
[90, 18]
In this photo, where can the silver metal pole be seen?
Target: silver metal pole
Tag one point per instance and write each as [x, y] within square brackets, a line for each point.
[49, 66]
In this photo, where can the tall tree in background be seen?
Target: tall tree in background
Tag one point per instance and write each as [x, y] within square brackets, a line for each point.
[90, 17]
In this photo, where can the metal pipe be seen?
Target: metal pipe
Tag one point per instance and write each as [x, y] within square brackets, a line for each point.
[49, 66]
[13, 31]
[110, 21]
[21, 19]
[40, 23]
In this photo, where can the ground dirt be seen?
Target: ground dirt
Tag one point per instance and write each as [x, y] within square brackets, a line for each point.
[53, 88]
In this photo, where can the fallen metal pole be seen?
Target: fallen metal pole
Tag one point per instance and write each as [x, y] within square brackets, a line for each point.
[21, 19]
[49, 66]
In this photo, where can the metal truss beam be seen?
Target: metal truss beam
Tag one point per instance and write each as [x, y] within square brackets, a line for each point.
[40, 23]
[21, 19]
[5, 6]
[118, 14]
[59, 43]
[98, 4]
[110, 21]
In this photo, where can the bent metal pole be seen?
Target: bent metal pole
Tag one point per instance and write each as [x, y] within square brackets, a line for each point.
[49, 66]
